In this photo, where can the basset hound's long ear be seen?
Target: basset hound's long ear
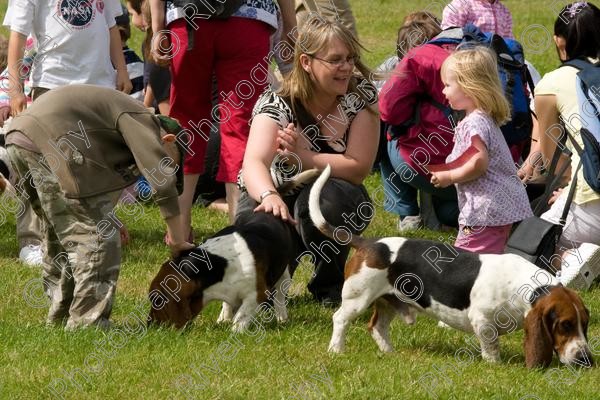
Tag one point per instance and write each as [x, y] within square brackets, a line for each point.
[3, 184]
[182, 314]
[538, 339]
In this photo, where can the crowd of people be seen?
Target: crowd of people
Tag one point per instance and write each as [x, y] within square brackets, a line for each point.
[283, 88]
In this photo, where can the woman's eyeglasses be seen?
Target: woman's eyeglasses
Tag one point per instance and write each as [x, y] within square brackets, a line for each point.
[339, 63]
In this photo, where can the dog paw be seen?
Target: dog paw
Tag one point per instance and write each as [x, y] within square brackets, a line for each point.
[282, 317]
[386, 348]
[226, 314]
[335, 348]
[240, 326]
[491, 358]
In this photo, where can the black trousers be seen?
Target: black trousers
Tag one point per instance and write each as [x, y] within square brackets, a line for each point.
[344, 205]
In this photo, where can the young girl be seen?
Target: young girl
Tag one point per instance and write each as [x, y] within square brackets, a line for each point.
[490, 196]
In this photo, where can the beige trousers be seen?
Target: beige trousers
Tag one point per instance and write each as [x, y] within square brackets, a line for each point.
[330, 9]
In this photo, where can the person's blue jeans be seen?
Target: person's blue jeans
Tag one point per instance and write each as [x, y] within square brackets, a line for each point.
[401, 184]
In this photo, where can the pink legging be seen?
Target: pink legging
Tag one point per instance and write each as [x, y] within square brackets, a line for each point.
[483, 239]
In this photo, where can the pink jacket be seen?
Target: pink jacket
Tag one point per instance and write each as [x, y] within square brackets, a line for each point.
[417, 76]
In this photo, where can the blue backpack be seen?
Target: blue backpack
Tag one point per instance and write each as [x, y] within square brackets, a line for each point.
[512, 70]
[588, 98]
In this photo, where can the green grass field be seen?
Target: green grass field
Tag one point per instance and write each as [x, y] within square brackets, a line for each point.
[269, 362]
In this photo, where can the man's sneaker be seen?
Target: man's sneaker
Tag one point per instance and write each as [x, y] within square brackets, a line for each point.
[31, 255]
[580, 275]
[410, 222]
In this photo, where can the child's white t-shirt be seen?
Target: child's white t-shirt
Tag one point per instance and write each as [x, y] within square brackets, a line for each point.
[72, 37]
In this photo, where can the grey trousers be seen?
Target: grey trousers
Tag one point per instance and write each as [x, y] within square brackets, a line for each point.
[29, 225]
[82, 249]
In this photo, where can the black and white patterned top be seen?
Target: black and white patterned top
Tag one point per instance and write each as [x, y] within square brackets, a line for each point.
[261, 10]
[279, 110]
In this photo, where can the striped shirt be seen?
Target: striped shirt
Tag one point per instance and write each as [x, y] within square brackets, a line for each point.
[489, 16]
[261, 10]
[135, 69]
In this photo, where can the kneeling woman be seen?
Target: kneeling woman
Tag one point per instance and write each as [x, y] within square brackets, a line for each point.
[324, 113]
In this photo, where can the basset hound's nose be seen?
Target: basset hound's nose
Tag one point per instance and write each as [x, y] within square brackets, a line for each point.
[584, 358]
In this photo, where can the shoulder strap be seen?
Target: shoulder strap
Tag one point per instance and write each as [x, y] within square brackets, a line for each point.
[577, 63]
[555, 179]
[504, 53]
[552, 180]
[395, 131]
[563, 218]
[576, 145]
[529, 81]
[448, 36]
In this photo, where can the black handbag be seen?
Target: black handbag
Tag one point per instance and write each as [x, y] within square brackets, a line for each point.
[535, 239]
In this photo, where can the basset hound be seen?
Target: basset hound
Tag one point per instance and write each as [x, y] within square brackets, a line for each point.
[5, 167]
[243, 265]
[488, 295]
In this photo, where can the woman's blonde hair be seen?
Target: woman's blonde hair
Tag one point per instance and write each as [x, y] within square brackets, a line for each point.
[315, 35]
[476, 73]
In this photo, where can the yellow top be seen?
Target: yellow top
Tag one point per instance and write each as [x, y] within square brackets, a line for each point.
[562, 83]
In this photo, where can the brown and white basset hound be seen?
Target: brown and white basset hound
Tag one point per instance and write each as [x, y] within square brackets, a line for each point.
[488, 295]
[243, 265]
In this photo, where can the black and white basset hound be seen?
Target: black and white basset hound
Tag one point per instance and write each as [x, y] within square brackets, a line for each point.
[244, 266]
[488, 295]
[5, 167]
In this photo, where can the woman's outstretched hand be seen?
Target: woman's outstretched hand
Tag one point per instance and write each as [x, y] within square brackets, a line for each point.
[275, 205]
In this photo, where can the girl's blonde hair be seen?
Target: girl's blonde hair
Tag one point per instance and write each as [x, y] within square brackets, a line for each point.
[315, 35]
[476, 73]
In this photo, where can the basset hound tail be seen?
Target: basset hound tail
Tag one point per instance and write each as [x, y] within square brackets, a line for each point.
[317, 217]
